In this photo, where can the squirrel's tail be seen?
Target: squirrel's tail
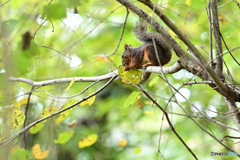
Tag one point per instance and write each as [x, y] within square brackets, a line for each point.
[143, 35]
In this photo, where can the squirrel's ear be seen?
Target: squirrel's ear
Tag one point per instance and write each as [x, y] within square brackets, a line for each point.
[126, 46]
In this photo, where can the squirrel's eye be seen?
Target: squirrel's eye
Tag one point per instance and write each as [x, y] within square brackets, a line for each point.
[122, 56]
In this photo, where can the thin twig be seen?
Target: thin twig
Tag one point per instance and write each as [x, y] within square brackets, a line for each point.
[198, 82]
[9, 140]
[169, 122]
[237, 3]
[38, 29]
[26, 116]
[55, 51]
[209, 13]
[227, 136]
[5, 3]
[120, 39]
[69, 96]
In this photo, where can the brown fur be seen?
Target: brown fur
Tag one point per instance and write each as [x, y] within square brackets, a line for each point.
[145, 55]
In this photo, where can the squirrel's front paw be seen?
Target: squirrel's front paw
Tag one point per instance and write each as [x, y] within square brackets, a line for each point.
[126, 68]
[144, 66]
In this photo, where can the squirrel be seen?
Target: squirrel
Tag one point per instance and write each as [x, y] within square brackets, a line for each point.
[145, 55]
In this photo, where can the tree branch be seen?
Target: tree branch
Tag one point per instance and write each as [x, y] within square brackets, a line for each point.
[182, 55]
[7, 141]
[169, 122]
[161, 70]
[150, 69]
[166, 70]
[63, 80]
[26, 116]
[217, 37]
[233, 107]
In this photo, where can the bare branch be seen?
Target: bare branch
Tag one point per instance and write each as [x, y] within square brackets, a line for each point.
[64, 80]
[26, 116]
[68, 96]
[237, 3]
[209, 13]
[150, 69]
[9, 140]
[123, 28]
[227, 136]
[217, 37]
[170, 124]
[200, 82]
[160, 70]
[166, 70]
[233, 107]
[5, 3]
[182, 55]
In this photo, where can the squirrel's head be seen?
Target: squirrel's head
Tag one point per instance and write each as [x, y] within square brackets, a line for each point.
[126, 56]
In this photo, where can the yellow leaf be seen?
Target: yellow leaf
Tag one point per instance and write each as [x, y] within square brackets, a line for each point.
[122, 143]
[88, 141]
[102, 59]
[70, 85]
[83, 103]
[62, 117]
[37, 153]
[149, 113]
[15, 118]
[137, 150]
[19, 103]
[48, 111]
[133, 75]
[149, 102]
[66, 113]
[221, 19]
[188, 2]
[89, 101]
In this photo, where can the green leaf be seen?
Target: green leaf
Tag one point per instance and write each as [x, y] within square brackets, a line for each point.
[66, 113]
[36, 128]
[18, 154]
[137, 150]
[197, 4]
[133, 75]
[64, 137]
[131, 99]
[54, 11]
